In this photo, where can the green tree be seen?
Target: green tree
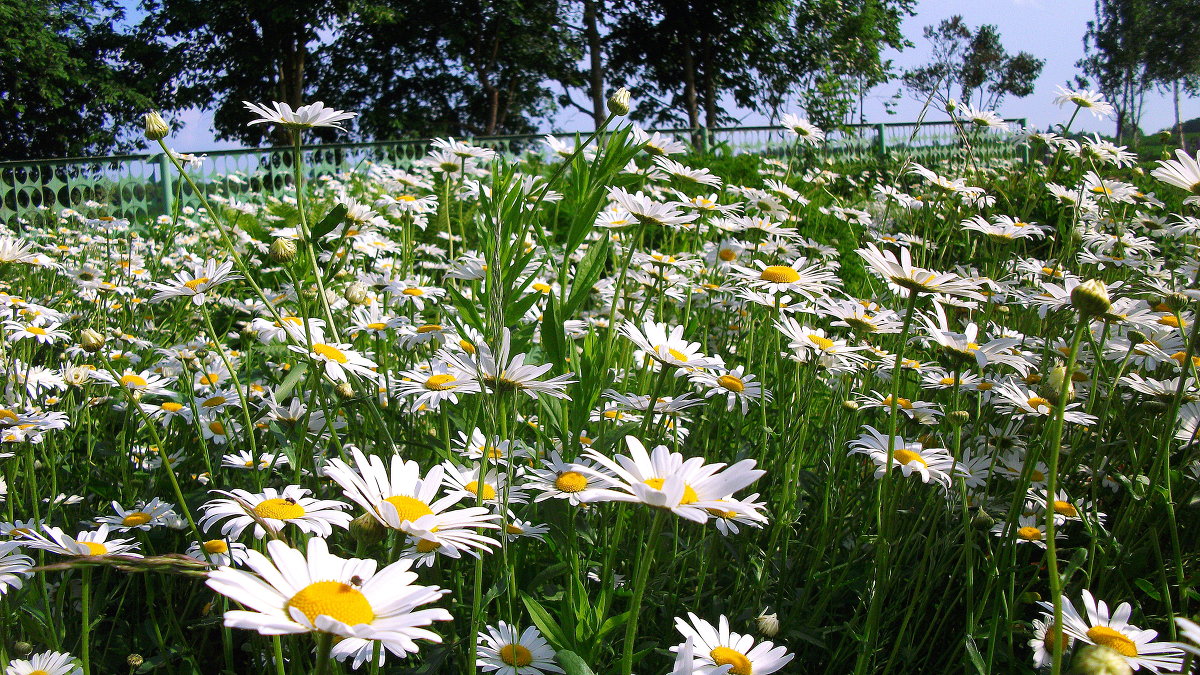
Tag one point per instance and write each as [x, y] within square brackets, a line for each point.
[1116, 57]
[227, 51]
[458, 67]
[971, 66]
[72, 79]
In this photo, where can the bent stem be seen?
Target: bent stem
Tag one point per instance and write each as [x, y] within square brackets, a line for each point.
[639, 590]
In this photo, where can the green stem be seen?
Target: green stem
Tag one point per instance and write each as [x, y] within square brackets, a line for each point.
[639, 591]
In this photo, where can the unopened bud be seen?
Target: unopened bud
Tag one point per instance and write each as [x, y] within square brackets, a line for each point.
[23, 648]
[155, 126]
[1056, 386]
[367, 530]
[1176, 301]
[91, 341]
[618, 103]
[134, 660]
[1099, 660]
[1091, 298]
[850, 405]
[283, 250]
[767, 624]
[1136, 337]
[959, 417]
[982, 520]
[344, 390]
[356, 293]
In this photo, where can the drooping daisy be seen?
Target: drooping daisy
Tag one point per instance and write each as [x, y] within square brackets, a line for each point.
[663, 479]
[719, 650]
[271, 509]
[902, 274]
[502, 372]
[45, 663]
[294, 592]
[508, 652]
[244, 460]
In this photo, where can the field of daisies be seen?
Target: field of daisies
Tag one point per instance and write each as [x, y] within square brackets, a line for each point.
[613, 407]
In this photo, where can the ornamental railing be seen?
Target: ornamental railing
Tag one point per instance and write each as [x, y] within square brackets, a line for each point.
[143, 186]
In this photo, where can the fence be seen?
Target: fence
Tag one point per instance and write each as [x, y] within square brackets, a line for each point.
[142, 186]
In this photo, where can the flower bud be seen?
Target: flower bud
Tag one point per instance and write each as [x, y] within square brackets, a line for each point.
[91, 341]
[618, 103]
[155, 126]
[283, 250]
[22, 648]
[982, 520]
[356, 293]
[959, 417]
[767, 624]
[850, 405]
[1091, 298]
[1099, 660]
[1136, 337]
[134, 660]
[1056, 386]
[367, 530]
[344, 390]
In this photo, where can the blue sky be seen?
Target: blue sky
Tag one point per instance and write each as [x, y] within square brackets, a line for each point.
[1049, 29]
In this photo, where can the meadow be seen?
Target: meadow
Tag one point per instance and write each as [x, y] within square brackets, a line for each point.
[613, 407]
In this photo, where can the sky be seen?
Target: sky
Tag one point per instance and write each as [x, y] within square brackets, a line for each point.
[1049, 29]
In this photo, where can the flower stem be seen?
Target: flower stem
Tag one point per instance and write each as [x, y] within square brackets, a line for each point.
[639, 590]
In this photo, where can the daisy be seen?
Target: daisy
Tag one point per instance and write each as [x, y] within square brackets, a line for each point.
[496, 489]
[719, 650]
[735, 385]
[576, 482]
[304, 117]
[803, 130]
[503, 650]
[1024, 401]
[39, 330]
[294, 592]
[656, 143]
[143, 516]
[13, 566]
[812, 281]
[86, 544]
[901, 273]
[688, 488]
[195, 283]
[46, 663]
[647, 211]
[244, 460]
[500, 373]
[271, 509]
[1182, 172]
[15, 250]
[1092, 101]
[1027, 530]
[429, 387]
[143, 382]
[1042, 642]
[219, 552]
[339, 359]
[1114, 631]
[667, 347]
[477, 446]
[931, 464]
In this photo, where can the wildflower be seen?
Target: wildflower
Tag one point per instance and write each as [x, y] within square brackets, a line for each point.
[316, 591]
[667, 347]
[271, 509]
[1113, 630]
[803, 130]
[1092, 101]
[503, 650]
[304, 117]
[45, 663]
[86, 544]
[13, 566]
[143, 516]
[1182, 172]
[719, 650]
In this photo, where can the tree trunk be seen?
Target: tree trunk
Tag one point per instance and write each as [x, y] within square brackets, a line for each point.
[1178, 124]
[591, 25]
[689, 91]
[710, 81]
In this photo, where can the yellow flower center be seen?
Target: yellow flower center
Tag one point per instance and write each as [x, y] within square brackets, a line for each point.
[136, 518]
[196, 283]
[1037, 402]
[7, 416]
[439, 382]
[901, 402]
[214, 401]
[466, 346]
[946, 381]
[489, 492]
[409, 508]
[724, 656]
[516, 655]
[1107, 637]
[331, 353]
[279, 509]
[689, 495]
[94, 548]
[823, 343]
[675, 353]
[210, 379]
[1029, 533]
[1065, 509]
[1170, 320]
[339, 601]
[905, 457]
[413, 291]
[427, 545]
[377, 325]
[541, 288]
[429, 328]
[39, 671]
[571, 481]
[726, 254]
[780, 274]
[216, 427]
[731, 383]
[215, 546]
[172, 406]
[36, 330]
[1037, 476]
[133, 381]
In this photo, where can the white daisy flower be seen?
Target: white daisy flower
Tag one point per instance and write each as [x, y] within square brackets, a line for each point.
[271, 509]
[719, 650]
[505, 651]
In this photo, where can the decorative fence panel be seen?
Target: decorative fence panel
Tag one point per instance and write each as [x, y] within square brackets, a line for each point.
[144, 186]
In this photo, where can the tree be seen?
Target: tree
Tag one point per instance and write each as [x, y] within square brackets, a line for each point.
[973, 62]
[457, 67]
[1116, 57]
[228, 51]
[1173, 53]
[72, 81]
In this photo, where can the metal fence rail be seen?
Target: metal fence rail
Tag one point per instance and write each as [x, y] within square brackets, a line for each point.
[142, 186]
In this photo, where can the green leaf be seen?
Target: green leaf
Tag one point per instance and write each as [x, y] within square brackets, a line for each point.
[545, 622]
[572, 663]
[289, 382]
[553, 336]
[330, 221]
[589, 270]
